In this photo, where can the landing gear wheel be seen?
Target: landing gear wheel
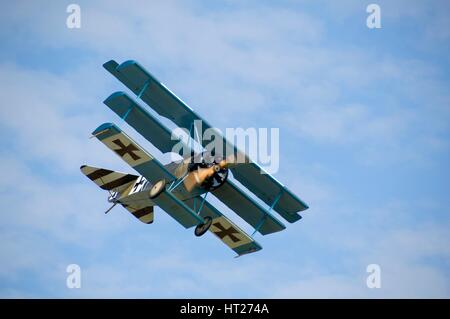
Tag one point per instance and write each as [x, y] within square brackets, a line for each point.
[158, 188]
[203, 228]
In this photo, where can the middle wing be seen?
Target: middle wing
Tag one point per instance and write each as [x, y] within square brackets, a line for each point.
[247, 208]
[142, 121]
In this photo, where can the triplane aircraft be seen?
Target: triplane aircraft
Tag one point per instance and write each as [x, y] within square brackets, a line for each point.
[180, 188]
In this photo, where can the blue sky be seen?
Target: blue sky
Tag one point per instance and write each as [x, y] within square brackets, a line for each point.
[364, 120]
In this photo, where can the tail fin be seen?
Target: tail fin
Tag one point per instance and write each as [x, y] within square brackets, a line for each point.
[144, 214]
[122, 184]
[107, 179]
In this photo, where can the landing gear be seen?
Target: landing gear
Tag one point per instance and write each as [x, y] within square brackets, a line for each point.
[158, 188]
[203, 228]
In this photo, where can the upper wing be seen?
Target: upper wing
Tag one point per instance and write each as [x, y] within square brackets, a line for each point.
[164, 102]
[224, 229]
[268, 189]
[167, 104]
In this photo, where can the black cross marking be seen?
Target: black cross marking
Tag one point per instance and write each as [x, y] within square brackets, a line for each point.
[130, 149]
[223, 232]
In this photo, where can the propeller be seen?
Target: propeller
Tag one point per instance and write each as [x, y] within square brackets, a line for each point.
[199, 176]
[217, 172]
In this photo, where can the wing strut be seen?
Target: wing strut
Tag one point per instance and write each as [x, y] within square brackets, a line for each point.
[143, 88]
[138, 96]
[264, 217]
[127, 112]
[176, 183]
[202, 203]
